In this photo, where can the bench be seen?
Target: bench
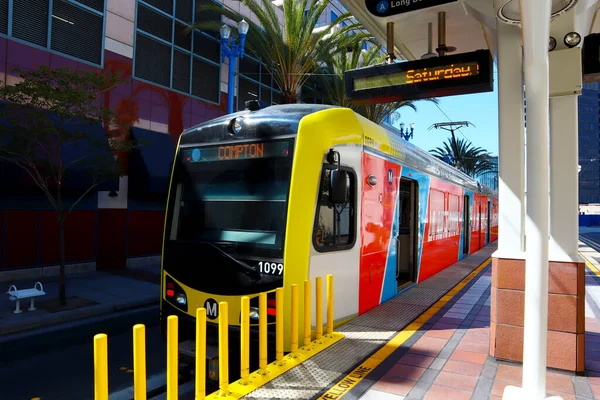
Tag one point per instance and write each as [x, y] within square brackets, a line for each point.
[18, 295]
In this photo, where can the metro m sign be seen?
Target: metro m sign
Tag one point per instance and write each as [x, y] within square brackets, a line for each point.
[452, 75]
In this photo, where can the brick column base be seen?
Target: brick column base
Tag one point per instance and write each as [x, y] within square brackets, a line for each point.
[566, 316]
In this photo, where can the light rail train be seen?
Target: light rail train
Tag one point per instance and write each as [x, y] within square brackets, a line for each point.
[272, 197]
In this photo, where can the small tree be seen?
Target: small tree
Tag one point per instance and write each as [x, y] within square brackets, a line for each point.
[461, 154]
[290, 52]
[49, 110]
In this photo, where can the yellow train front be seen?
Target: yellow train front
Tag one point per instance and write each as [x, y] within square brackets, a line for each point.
[269, 198]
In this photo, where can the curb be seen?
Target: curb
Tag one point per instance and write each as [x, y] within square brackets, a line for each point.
[185, 389]
[153, 383]
[156, 383]
[75, 315]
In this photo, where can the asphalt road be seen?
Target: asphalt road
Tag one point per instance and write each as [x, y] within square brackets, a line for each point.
[59, 365]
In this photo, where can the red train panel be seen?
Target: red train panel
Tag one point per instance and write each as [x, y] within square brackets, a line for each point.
[441, 240]
[377, 215]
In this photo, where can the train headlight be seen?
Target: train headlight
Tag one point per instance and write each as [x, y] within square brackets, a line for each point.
[181, 299]
[254, 313]
[175, 294]
[235, 126]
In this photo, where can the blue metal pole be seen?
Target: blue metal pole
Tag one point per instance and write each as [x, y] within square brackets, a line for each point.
[230, 84]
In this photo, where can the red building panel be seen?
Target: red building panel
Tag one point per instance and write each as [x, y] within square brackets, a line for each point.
[1, 237]
[80, 235]
[22, 242]
[145, 232]
[112, 240]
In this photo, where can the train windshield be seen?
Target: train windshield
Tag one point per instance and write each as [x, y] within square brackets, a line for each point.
[232, 196]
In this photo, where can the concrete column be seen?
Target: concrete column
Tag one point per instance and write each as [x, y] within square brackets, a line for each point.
[564, 175]
[535, 17]
[564, 220]
[511, 147]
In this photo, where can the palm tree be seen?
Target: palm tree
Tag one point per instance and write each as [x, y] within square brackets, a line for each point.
[293, 51]
[330, 80]
[461, 154]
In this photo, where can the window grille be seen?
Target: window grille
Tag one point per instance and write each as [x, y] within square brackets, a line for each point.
[73, 28]
[256, 83]
[168, 55]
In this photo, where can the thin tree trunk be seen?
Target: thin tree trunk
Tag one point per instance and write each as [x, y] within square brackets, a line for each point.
[289, 98]
[61, 241]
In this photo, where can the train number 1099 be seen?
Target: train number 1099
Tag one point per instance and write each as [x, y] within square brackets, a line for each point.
[270, 268]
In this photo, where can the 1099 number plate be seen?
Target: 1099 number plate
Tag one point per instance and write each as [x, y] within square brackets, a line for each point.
[270, 268]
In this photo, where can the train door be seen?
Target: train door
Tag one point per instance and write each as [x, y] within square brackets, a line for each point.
[466, 225]
[489, 222]
[479, 244]
[406, 240]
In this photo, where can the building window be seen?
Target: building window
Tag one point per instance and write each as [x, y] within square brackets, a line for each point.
[335, 224]
[74, 28]
[311, 93]
[169, 56]
[256, 83]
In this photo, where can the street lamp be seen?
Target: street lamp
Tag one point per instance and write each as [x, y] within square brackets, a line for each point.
[232, 50]
[408, 134]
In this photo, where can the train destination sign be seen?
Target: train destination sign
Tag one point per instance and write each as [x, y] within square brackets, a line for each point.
[419, 79]
[385, 8]
[236, 152]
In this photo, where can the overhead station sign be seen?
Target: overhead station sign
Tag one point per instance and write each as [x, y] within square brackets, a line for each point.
[385, 8]
[452, 75]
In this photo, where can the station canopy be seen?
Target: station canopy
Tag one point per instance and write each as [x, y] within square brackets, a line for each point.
[470, 24]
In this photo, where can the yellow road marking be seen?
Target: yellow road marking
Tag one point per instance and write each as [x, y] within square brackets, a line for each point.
[590, 265]
[344, 385]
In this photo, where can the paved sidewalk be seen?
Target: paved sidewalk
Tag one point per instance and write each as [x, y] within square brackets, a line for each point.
[450, 359]
[94, 294]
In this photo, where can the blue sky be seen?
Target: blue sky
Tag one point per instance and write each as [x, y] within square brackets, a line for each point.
[480, 109]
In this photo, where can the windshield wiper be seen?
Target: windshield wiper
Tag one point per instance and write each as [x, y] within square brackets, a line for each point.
[252, 273]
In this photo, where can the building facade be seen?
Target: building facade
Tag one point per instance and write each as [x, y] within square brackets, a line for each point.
[174, 81]
[589, 143]
[490, 179]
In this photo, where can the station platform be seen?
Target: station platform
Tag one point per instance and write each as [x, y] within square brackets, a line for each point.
[432, 342]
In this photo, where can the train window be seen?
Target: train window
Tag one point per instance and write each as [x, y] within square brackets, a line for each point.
[334, 225]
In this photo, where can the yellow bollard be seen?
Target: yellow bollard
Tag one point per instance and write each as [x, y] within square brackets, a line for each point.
[223, 349]
[329, 304]
[139, 362]
[172, 370]
[294, 340]
[306, 313]
[200, 369]
[319, 307]
[262, 333]
[245, 340]
[279, 325]
[100, 367]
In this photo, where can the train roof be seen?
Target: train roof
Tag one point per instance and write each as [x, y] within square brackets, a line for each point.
[283, 120]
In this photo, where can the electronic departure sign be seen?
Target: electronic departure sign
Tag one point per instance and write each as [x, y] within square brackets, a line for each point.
[236, 152]
[451, 75]
[385, 8]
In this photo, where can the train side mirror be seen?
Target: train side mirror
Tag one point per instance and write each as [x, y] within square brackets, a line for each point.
[338, 186]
